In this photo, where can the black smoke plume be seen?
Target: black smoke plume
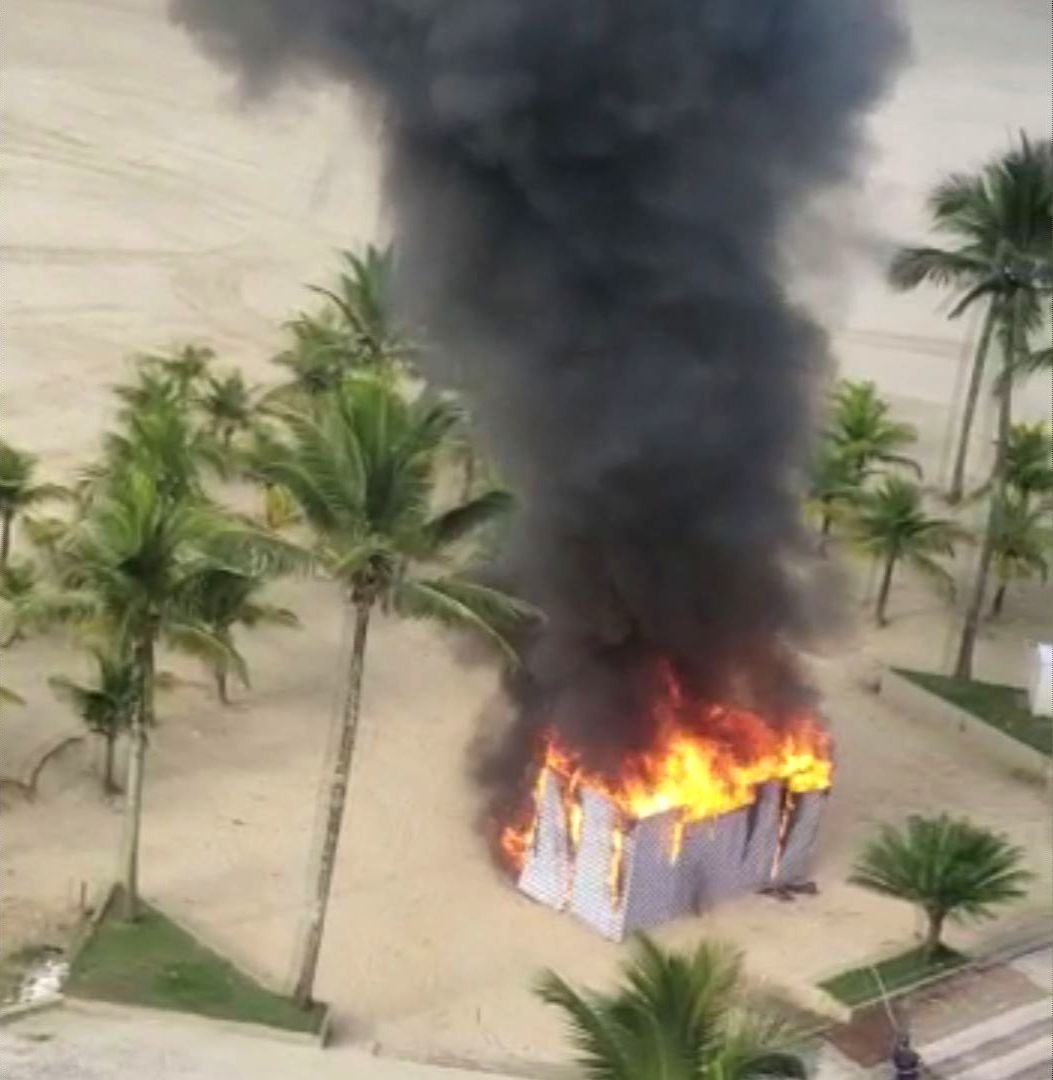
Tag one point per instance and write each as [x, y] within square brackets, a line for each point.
[590, 200]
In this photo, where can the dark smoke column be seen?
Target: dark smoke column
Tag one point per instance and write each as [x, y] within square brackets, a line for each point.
[589, 200]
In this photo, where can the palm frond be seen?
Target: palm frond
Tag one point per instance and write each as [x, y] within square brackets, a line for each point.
[913, 266]
[943, 864]
[603, 1055]
[9, 697]
[458, 603]
[461, 521]
[196, 639]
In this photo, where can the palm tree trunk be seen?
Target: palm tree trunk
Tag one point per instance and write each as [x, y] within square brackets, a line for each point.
[933, 933]
[339, 774]
[109, 785]
[133, 802]
[221, 687]
[976, 381]
[5, 538]
[826, 523]
[886, 587]
[963, 666]
[999, 600]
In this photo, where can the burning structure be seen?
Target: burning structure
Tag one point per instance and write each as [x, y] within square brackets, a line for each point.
[722, 804]
[591, 202]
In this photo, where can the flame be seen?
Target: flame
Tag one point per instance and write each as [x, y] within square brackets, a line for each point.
[572, 808]
[707, 761]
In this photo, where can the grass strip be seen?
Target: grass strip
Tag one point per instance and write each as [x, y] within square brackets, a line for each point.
[153, 962]
[1003, 707]
[860, 986]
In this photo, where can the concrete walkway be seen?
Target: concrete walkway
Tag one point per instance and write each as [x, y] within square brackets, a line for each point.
[1012, 1045]
[1016, 1045]
[67, 1045]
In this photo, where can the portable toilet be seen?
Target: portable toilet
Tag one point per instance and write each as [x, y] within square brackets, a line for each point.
[1040, 680]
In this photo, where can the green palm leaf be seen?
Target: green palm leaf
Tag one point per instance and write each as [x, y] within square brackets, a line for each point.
[676, 1017]
[458, 603]
[949, 868]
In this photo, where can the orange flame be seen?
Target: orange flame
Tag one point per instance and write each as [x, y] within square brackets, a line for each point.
[706, 763]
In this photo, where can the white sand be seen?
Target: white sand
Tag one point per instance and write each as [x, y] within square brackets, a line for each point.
[142, 208]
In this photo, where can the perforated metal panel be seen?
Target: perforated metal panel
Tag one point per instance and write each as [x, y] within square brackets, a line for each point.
[719, 858]
[547, 868]
[795, 863]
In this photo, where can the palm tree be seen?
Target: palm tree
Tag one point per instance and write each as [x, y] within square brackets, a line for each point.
[106, 706]
[185, 370]
[46, 534]
[999, 222]
[1018, 311]
[20, 584]
[317, 360]
[948, 868]
[836, 485]
[18, 492]
[135, 569]
[362, 472]
[862, 433]
[1021, 548]
[228, 405]
[891, 524]
[362, 297]
[163, 437]
[1029, 461]
[149, 388]
[230, 598]
[676, 1018]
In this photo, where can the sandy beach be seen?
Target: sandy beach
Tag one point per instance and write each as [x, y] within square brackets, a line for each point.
[145, 206]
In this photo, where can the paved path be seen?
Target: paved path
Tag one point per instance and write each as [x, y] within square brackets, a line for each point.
[67, 1045]
[1012, 1045]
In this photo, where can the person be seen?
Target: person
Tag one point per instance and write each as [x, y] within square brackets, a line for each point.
[905, 1059]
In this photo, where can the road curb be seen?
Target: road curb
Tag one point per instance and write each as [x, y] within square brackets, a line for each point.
[113, 1010]
[11, 1014]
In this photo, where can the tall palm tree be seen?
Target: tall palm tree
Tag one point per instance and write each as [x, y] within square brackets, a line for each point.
[18, 492]
[135, 569]
[1022, 547]
[949, 868]
[228, 405]
[230, 598]
[1018, 312]
[676, 1018]
[106, 706]
[863, 434]
[891, 524]
[362, 472]
[362, 297]
[998, 222]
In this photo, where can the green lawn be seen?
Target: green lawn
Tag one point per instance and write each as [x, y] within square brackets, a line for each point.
[152, 962]
[1003, 707]
[859, 986]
